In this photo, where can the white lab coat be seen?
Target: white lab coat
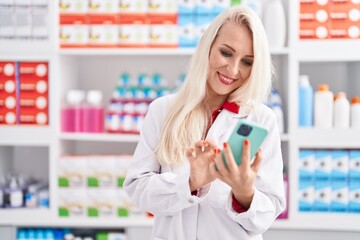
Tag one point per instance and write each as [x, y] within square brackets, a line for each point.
[165, 191]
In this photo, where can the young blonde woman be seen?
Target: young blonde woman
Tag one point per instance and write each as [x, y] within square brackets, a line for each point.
[173, 175]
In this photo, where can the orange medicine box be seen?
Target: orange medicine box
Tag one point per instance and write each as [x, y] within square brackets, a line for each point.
[133, 30]
[74, 30]
[103, 30]
[33, 97]
[314, 19]
[8, 108]
[163, 31]
[345, 19]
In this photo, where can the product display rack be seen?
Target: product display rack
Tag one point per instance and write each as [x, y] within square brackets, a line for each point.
[99, 69]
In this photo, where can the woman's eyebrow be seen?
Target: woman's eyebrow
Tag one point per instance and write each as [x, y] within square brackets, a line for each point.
[229, 47]
[232, 49]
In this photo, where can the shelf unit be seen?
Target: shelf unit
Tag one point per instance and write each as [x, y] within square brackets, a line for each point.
[99, 68]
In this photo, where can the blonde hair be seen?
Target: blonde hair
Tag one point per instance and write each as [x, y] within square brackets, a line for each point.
[189, 115]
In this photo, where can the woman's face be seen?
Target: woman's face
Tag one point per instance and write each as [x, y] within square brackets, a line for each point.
[231, 59]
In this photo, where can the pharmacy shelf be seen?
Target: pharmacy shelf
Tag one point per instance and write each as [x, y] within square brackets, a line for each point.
[328, 51]
[328, 138]
[107, 137]
[47, 218]
[285, 137]
[142, 51]
[315, 221]
[26, 48]
[12, 216]
[25, 136]
[99, 137]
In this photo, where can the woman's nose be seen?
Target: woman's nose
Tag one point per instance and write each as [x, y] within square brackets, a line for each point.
[233, 68]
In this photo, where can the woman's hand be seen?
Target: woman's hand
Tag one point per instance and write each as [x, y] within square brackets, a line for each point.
[200, 159]
[240, 178]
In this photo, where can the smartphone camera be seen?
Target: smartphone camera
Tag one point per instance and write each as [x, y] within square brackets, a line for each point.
[244, 130]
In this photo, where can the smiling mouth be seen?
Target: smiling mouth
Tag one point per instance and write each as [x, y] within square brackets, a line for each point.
[225, 80]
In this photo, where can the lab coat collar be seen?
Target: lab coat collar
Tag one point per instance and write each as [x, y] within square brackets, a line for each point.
[225, 122]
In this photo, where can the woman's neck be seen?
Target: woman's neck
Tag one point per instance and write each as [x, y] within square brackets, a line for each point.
[215, 101]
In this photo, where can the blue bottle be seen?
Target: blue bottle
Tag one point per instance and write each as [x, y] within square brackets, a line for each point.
[306, 102]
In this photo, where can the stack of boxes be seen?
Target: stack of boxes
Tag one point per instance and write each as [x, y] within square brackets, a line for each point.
[24, 20]
[130, 101]
[24, 93]
[194, 18]
[8, 94]
[329, 181]
[323, 19]
[91, 186]
[133, 27]
[135, 23]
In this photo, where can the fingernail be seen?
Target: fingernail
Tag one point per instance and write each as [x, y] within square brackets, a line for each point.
[225, 144]
[246, 142]
[215, 151]
[218, 150]
[212, 159]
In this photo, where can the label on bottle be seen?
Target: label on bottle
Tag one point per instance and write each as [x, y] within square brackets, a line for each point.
[16, 199]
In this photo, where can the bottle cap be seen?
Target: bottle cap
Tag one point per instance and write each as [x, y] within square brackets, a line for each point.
[75, 97]
[304, 80]
[355, 100]
[13, 183]
[323, 87]
[94, 97]
[339, 95]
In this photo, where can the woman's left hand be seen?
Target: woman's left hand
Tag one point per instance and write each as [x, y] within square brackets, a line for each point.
[240, 178]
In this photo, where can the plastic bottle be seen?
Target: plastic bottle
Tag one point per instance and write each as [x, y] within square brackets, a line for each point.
[355, 112]
[2, 185]
[72, 111]
[93, 120]
[341, 111]
[306, 102]
[323, 107]
[275, 23]
[13, 194]
[275, 104]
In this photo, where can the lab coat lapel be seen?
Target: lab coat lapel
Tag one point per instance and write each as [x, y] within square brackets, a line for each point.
[224, 124]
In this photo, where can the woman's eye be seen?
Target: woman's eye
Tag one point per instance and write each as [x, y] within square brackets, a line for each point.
[226, 53]
[247, 62]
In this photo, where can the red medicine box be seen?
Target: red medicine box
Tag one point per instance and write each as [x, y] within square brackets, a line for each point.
[8, 87]
[33, 97]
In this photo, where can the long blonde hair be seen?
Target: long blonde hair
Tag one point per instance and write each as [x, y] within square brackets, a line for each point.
[189, 115]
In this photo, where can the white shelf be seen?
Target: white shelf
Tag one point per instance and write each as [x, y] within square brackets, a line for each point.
[328, 50]
[46, 218]
[31, 48]
[328, 138]
[25, 136]
[321, 221]
[284, 137]
[105, 137]
[142, 51]
[100, 137]
[127, 51]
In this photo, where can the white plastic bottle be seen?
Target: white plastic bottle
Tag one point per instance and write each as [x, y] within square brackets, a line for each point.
[306, 102]
[323, 107]
[355, 112]
[275, 104]
[341, 111]
[275, 23]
